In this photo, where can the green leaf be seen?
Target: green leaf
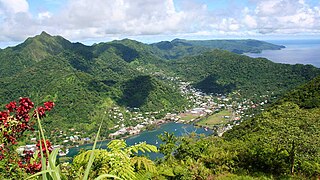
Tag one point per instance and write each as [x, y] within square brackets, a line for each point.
[43, 172]
[107, 176]
[91, 159]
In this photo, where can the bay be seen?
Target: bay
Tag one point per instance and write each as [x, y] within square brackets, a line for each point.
[296, 52]
[150, 137]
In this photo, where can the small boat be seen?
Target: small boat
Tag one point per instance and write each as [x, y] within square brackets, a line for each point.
[157, 142]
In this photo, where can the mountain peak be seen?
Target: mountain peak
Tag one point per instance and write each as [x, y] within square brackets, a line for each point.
[178, 40]
[43, 45]
[43, 33]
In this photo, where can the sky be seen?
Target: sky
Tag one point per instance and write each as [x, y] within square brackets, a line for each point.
[90, 21]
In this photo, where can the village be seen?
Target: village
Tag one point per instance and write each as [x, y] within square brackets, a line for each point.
[217, 112]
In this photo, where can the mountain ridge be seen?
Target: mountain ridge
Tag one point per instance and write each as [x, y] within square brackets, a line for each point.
[79, 77]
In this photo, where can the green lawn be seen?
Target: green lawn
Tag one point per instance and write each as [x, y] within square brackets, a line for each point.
[188, 117]
[214, 119]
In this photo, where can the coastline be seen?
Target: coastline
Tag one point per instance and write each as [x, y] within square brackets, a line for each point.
[124, 137]
[150, 137]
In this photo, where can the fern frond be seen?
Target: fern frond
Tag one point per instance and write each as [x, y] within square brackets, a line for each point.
[117, 145]
[143, 147]
[147, 164]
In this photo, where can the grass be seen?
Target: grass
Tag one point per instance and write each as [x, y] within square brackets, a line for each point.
[188, 117]
[214, 119]
[240, 177]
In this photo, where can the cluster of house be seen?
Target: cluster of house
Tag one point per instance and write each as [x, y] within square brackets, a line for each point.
[201, 104]
[207, 104]
[33, 148]
[242, 110]
[141, 119]
[72, 137]
[127, 130]
[120, 116]
[65, 140]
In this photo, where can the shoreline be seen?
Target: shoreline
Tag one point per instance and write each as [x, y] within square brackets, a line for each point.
[84, 146]
[124, 137]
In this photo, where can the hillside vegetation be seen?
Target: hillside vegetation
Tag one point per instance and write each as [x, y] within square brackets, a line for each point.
[221, 71]
[80, 79]
[306, 96]
[85, 83]
[280, 143]
[179, 48]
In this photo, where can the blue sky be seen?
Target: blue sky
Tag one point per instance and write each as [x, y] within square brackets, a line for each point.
[90, 21]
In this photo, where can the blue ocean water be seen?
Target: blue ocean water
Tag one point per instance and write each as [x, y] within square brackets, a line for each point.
[296, 52]
[150, 137]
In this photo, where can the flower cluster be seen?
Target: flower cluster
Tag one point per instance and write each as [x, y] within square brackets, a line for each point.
[44, 145]
[42, 110]
[31, 163]
[14, 121]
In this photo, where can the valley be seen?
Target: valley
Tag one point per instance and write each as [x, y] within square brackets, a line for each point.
[128, 84]
[126, 89]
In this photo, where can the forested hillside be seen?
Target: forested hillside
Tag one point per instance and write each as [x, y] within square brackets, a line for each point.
[306, 96]
[108, 81]
[81, 79]
[220, 71]
[282, 143]
[179, 48]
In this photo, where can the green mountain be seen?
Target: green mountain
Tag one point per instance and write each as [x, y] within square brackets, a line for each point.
[280, 143]
[86, 80]
[80, 79]
[178, 48]
[284, 139]
[220, 71]
[306, 96]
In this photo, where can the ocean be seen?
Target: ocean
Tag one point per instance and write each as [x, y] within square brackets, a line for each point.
[296, 52]
[150, 137]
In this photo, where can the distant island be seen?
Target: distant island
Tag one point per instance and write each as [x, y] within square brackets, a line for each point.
[190, 47]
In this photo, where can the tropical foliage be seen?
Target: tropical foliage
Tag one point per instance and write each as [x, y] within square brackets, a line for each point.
[223, 72]
[118, 160]
[80, 78]
[85, 81]
[281, 142]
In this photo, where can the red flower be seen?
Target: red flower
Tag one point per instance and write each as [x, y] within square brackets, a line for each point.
[14, 125]
[41, 111]
[43, 147]
[48, 105]
[11, 106]
[26, 104]
[3, 115]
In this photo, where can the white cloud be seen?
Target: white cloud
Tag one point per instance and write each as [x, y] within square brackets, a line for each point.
[14, 6]
[228, 24]
[250, 22]
[82, 19]
[15, 22]
[44, 15]
[286, 16]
